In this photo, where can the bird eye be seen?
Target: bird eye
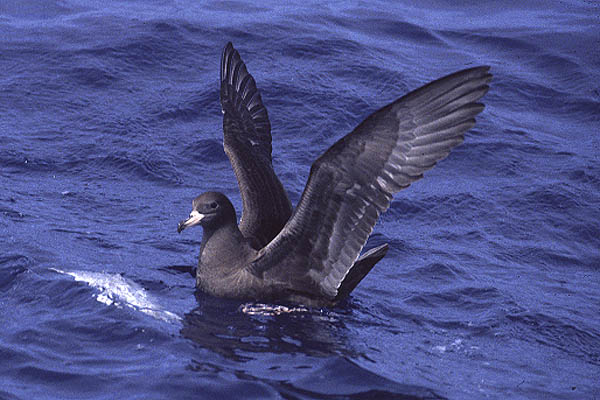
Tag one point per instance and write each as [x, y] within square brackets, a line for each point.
[213, 204]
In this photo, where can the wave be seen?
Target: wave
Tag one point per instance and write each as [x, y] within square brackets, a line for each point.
[11, 267]
[114, 289]
[566, 337]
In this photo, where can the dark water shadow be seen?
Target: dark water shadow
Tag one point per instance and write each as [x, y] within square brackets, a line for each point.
[340, 378]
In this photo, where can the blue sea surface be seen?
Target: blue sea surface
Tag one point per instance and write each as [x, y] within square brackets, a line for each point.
[110, 124]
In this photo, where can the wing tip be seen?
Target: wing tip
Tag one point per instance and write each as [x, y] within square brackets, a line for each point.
[228, 48]
[480, 72]
[482, 69]
[228, 53]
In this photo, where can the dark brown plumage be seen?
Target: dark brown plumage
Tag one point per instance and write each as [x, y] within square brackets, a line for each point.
[311, 256]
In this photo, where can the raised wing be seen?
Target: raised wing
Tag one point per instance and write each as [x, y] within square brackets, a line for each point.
[247, 142]
[353, 182]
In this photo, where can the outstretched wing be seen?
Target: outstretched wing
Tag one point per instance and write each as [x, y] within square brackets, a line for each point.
[247, 142]
[353, 182]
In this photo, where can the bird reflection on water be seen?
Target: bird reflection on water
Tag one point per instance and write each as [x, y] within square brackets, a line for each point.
[235, 331]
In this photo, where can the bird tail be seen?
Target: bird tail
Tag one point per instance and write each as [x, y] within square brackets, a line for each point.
[359, 270]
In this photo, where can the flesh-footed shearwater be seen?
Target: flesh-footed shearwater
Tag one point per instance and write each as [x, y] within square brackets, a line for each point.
[311, 255]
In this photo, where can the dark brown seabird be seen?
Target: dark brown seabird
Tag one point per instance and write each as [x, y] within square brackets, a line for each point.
[311, 255]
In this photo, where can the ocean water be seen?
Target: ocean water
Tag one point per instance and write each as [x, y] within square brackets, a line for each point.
[110, 124]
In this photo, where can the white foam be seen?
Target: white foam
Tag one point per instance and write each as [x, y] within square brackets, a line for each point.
[119, 291]
[269, 309]
[456, 345]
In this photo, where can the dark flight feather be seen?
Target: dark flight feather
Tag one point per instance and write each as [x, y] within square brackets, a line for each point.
[247, 143]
